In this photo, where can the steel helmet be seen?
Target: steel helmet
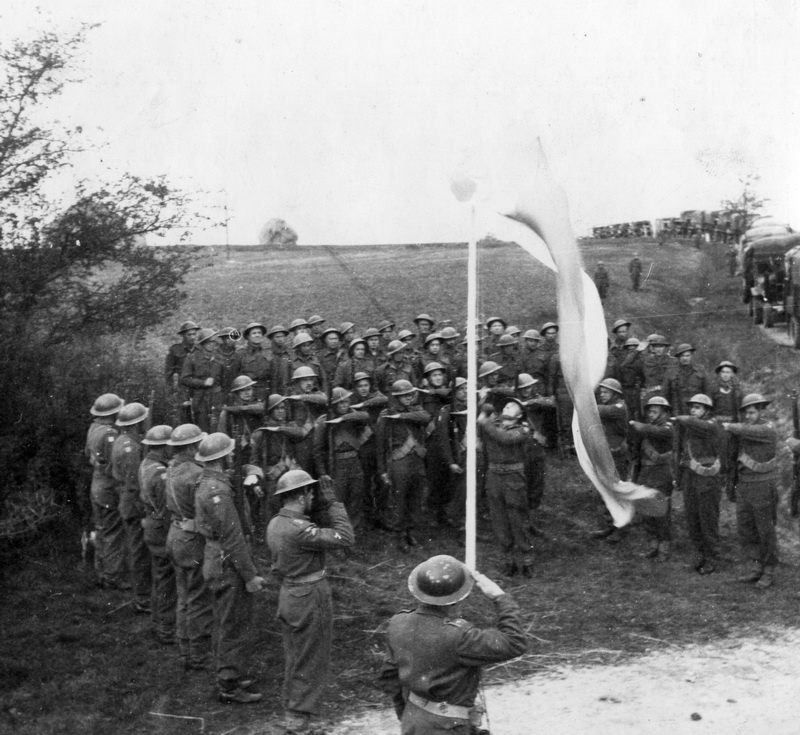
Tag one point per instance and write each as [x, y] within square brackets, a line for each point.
[316, 319]
[297, 323]
[256, 325]
[106, 405]
[188, 327]
[395, 346]
[657, 401]
[277, 329]
[346, 327]
[431, 337]
[292, 480]
[402, 387]
[754, 399]
[186, 434]
[685, 347]
[423, 318]
[370, 332]
[158, 435]
[242, 382]
[632, 342]
[231, 332]
[405, 334]
[548, 325]
[701, 399]
[532, 334]
[513, 331]
[611, 384]
[214, 446]
[724, 364]
[274, 400]
[385, 324]
[205, 335]
[620, 323]
[459, 382]
[525, 381]
[487, 368]
[506, 340]
[132, 413]
[331, 330]
[359, 376]
[658, 339]
[301, 339]
[449, 333]
[493, 319]
[303, 372]
[354, 343]
[433, 366]
[441, 580]
[339, 394]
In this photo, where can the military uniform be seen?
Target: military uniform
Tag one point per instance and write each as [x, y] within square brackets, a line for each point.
[374, 489]
[330, 359]
[126, 455]
[305, 409]
[110, 539]
[255, 361]
[437, 471]
[433, 664]
[346, 370]
[227, 568]
[510, 367]
[198, 367]
[393, 370]
[312, 362]
[228, 357]
[451, 426]
[152, 481]
[688, 381]
[272, 451]
[602, 281]
[305, 607]
[195, 617]
[614, 418]
[630, 374]
[176, 356]
[564, 405]
[635, 270]
[659, 373]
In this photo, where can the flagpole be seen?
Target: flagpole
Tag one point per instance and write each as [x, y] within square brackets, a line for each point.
[472, 394]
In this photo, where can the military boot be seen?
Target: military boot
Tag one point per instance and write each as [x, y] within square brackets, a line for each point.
[754, 573]
[767, 578]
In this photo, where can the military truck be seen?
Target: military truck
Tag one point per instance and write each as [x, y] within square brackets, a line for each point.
[764, 277]
[791, 294]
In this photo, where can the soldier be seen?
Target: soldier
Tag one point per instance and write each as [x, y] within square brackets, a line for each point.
[451, 426]
[432, 352]
[602, 281]
[374, 354]
[490, 391]
[126, 455]
[305, 606]
[725, 392]
[109, 560]
[315, 329]
[357, 363]
[202, 376]
[307, 404]
[756, 489]
[242, 413]
[254, 360]
[504, 439]
[299, 326]
[689, 380]
[658, 367]
[228, 570]
[508, 359]
[367, 398]
[549, 331]
[152, 481]
[385, 329]
[635, 270]
[700, 463]
[434, 397]
[195, 618]
[653, 468]
[630, 374]
[616, 349]
[337, 438]
[304, 358]
[348, 332]
[281, 359]
[272, 453]
[330, 355]
[434, 657]
[564, 405]
[532, 360]
[535, 406]
[424, 324]
[401, 454]
[227, 354]
[174, 364]
[398, 366]
[496, 327]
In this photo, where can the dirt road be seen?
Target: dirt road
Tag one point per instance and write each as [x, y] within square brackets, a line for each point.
[740, 685]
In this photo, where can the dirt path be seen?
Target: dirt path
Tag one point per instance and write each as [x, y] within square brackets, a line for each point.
[741, 685]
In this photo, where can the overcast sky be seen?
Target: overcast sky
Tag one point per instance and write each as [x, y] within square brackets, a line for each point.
[348, 119]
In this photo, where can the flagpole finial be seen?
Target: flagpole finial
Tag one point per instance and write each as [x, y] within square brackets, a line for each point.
[463, 188]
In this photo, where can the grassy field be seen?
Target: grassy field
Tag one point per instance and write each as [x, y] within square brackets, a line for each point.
[75, 659]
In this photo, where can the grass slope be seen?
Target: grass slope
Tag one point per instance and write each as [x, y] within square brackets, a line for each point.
[75, 659]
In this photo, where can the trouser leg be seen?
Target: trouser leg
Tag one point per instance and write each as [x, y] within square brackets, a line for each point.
[111, 531]
[139, 561]
[164, 596]
[199, 617]
[233, 611]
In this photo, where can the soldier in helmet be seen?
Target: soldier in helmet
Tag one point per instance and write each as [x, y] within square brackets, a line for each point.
[490, 391]
[348, 332]
[281, 359]
[725, 391]
[652, 450]
[227, 350]
[338, 435]
[401, 455]
[630, 374]
[699, 442]
[299, 326]
[532, 359]
[126, 455]
[424, 324]
[194, 614]
[616, 348]
[689, 379]
[174, 364]
[451, 427]
[659, 368]
[243, 411]
[756, 489]
[496, 328]
[315, 328]
[307, 403]
[330, 356]
[254, 360]
[373, 355]
[357, 362]
[202, 376]
[228, 570]
[398, 366]
[602, 280]
[156, 521]
[303, 357]
[507, 357]
[386, 331]
[434, 397]
[110, 534]
[504, 439]
[635, 270]
[433, 659]
[534, 405]
[305, 606]
[432, 352]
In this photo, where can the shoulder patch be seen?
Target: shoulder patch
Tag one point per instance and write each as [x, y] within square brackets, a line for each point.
[110, 438]
[457, 622]
[216, 499]
[128, 449]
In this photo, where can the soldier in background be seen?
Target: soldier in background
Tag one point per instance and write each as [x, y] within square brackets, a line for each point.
[227, 348]
[254, 360]
[496, 327]
[398, 366]
[156, 522]
[194, 613]
[307, 403]
[616, 349]
[281, 359]
[330, 356]
[658, 367]
[635, 270]
[299, 326]
[424, 324]
[109, 560]
[507, 357]
[629, 372]
[357, 362]
[315, 328]
[602, 280]
[176, 355]
[451, 426]
[126, 456]
[434, 397]
[228, 571]
[303, 357]
[689, 379]
[348, 332]
[202, 377]
[536, 407]
[386, 331]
